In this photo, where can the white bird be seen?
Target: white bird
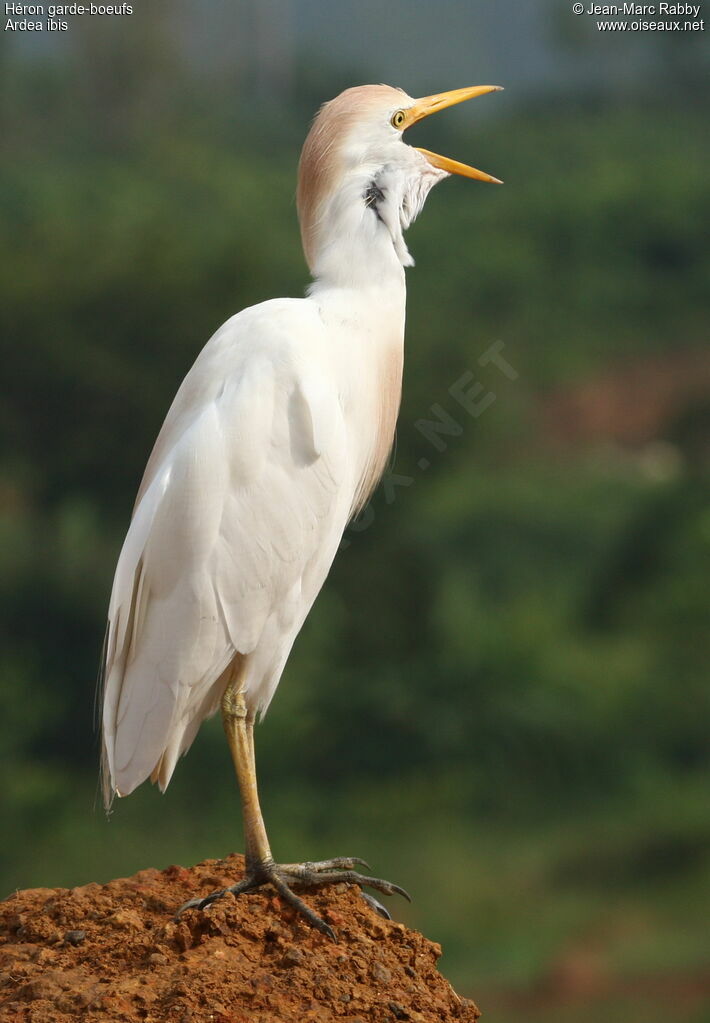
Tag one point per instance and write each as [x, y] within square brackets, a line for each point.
[276, 437]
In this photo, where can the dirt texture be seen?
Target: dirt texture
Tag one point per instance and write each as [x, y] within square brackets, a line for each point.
[114, 952]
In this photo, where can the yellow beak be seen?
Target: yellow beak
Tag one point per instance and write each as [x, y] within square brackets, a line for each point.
[429, 105]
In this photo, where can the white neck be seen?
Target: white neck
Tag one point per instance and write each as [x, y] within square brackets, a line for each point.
[360, 241]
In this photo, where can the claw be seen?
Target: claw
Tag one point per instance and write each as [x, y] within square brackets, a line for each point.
[248, 884]
[310, 875]
[377, 906]
[319, 866]
[348, 877]
[293, 900]
[387, 887]
[190, 904]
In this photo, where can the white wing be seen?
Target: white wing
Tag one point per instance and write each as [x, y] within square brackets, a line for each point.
[236, 523]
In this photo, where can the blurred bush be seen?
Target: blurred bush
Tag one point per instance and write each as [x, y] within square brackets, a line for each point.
[513, 641]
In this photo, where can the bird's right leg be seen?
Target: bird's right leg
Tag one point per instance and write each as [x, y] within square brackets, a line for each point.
[261, 869]
[239, 728]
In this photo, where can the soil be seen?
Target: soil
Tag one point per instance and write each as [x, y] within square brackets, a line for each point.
[114, 952]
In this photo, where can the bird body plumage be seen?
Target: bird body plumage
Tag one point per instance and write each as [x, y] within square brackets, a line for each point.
[274, 438]
[277, 435]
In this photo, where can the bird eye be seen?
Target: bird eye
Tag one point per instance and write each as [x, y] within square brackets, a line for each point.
[398, 119]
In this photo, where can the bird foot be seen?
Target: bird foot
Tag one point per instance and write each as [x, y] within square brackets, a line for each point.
[282, 876]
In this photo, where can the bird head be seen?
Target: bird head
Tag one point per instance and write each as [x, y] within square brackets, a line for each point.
[360, 185]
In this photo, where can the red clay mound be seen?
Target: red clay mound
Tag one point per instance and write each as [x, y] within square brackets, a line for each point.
[113, 952]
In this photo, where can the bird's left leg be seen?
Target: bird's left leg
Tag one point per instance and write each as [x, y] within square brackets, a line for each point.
[260, 866]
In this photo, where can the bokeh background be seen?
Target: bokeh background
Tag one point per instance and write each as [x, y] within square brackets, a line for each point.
[500, 698]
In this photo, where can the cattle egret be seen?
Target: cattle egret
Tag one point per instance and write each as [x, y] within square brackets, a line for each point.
[276, 437]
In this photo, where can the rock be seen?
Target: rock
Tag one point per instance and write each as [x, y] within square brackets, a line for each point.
[292, 957]
[398, 1011]
[380, 973]
[121, 956]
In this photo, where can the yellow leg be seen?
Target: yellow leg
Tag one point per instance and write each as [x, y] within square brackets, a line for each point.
[260, 867]
[239, 729]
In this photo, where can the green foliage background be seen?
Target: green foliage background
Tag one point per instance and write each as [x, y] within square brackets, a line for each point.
[501, 696]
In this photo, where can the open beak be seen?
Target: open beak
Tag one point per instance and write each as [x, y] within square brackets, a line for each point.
[429, 105]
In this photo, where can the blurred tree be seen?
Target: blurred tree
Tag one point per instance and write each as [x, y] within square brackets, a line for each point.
[517, 637]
